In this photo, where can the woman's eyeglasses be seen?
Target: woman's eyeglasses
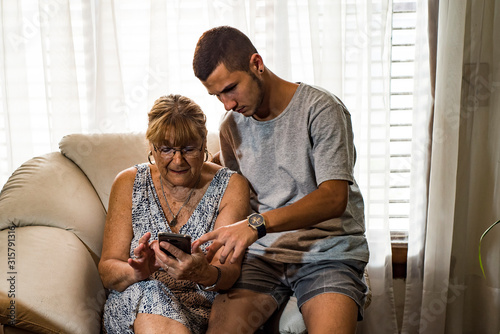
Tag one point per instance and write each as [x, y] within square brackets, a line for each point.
[187, 152]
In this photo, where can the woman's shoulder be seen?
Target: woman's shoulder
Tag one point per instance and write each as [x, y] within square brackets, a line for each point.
[123, 185]
[126, 176]
[127, 173]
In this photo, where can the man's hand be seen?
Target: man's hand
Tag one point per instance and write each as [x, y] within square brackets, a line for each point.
[236, 237]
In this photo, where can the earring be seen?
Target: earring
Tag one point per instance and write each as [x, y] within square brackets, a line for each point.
[149, 158]
[206, 155]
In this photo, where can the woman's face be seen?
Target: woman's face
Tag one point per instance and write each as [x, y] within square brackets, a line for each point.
[180, 166]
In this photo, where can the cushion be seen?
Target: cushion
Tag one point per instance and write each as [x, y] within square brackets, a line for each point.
[52, 191]
[102, 156]
[57, 286]
[291, 320]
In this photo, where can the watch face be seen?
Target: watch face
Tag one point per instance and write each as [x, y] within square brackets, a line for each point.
[256, 220]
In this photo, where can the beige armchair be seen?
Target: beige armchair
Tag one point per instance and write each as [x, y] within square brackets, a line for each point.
[52, 214]
[52, 210]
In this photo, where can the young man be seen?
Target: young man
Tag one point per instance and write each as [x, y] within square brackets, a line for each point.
[294, 143]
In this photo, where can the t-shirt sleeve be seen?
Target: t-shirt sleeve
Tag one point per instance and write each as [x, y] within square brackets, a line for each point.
[333, 148]
[227, 153]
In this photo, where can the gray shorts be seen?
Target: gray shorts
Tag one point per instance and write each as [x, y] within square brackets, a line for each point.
[305, 280]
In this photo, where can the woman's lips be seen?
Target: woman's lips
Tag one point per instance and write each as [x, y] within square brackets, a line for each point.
[179, 171]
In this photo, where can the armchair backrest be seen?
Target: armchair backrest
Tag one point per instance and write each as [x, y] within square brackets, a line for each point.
[102, 156]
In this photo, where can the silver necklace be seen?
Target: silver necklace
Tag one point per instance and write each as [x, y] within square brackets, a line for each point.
[173, 222]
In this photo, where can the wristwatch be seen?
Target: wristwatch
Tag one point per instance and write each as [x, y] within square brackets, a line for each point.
[258, 223]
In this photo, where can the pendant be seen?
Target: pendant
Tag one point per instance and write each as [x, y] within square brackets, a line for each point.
[173, 222]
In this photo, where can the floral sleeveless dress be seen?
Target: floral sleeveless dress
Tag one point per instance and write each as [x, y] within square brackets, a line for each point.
[161, 294]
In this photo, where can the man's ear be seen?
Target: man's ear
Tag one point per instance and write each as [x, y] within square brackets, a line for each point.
[256, 63]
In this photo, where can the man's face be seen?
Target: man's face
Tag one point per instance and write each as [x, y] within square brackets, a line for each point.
[239, 91]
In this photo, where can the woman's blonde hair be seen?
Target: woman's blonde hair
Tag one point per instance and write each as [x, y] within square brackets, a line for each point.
[177, 117]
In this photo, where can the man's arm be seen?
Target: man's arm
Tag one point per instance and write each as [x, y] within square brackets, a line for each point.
[327, 202]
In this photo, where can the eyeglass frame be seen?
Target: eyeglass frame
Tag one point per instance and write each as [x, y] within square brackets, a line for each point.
[175, 150]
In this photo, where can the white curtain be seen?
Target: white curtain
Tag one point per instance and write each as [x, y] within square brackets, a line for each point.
[97, 66]
[446, 292]
[365, 89]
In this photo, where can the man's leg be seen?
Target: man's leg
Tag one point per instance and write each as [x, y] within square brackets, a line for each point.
[330, 295]
[331, 313]
[240, 311]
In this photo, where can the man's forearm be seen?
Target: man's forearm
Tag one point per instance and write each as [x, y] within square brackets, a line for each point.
[327, 202]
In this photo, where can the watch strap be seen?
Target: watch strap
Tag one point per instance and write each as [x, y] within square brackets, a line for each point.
[261, 231]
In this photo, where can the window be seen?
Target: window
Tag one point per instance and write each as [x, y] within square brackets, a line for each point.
[378, 85]
[401, 113]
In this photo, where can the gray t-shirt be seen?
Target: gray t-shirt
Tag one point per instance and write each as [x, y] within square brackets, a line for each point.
[285, 159]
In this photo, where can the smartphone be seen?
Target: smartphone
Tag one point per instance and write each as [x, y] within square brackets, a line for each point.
[181, 241]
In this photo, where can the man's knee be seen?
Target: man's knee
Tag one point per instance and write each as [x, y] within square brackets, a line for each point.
[330, 313]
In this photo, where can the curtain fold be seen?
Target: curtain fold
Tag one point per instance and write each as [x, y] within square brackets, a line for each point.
[111, 107]
[421, 148]
[443, 167]
[366, 87]
[14, 75]
[446, 292]
[59, 65]
[474, 300]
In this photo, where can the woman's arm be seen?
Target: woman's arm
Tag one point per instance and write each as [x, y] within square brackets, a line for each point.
[116, 269]
[234, 206]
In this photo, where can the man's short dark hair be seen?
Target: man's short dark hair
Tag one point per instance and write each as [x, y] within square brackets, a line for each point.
[226, 45]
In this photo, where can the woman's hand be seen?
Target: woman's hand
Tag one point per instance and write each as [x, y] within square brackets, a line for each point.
[144, 263]
[193, 267]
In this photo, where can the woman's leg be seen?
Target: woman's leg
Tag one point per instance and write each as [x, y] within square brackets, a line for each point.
[240, 311]
[154, 323]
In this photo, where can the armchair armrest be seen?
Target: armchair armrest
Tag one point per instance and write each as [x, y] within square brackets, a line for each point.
[51, 190]
[53, 284]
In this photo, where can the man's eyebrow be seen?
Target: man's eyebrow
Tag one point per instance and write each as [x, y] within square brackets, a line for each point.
[225, 89]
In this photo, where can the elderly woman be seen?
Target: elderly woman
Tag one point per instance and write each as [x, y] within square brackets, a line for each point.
[179, 192]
